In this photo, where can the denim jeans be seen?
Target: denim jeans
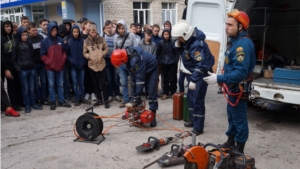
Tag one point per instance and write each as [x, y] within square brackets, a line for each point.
[99, 80]
[56, 79]
[123, 73]
[78, 82]
[40, 86]
[27, 82]
[182, 76]
[66, 79]
[112, 80]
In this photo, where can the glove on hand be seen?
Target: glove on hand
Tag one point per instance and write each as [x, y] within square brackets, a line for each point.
[211, 79]
[192, 86]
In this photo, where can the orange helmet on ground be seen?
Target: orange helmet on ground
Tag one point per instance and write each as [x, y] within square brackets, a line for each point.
[240, 16]
[118, 57]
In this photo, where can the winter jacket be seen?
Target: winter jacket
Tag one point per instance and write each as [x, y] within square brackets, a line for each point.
[110, 43]
[165, 51]
[7, 40]
[94, 51]
[52, 51]
[22, 52]
[75, 51]
[130, 40]
[36, 44]
[150, 48]
[156, 39]
[44, 34]
[69, 33]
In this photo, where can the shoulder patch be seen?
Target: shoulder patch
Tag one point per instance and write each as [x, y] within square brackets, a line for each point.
[239, 49]
[187, 56]
[198, 56]
[226, 60]
[240, 56]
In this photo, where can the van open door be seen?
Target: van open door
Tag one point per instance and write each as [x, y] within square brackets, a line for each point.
[209, 16]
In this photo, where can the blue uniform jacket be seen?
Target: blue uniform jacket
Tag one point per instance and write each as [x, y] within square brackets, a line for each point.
[196, 56]
[239, 60]
[140, 64]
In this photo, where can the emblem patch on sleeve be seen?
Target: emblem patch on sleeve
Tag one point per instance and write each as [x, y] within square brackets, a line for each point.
[198, 56]
[240, 56]
[239, 49]
[226, 60]
[187, 56]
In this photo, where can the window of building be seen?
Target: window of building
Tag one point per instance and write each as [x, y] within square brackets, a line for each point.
[168, 12]
[12, 14]
[38, 12]
[141, 12]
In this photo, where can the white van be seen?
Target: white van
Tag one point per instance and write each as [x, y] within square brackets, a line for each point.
[273, 23]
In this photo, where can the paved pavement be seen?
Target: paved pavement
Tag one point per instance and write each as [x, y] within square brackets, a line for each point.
[44, 139]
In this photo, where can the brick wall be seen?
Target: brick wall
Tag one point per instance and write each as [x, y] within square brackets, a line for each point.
[123, 9]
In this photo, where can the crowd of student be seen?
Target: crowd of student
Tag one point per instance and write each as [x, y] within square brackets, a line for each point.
[71, 64]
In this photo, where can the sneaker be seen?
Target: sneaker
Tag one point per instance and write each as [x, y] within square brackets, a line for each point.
[196, 132]
[83, 100]
[46, 102]
[122, 105]
[161, 94]
[53, 106]
[17, 107]
[110, 99]
[36, 107]
[64, 104]
[68, 99]
[118, 98]
[153, 123]
[164, 97]
[98, 103]
[188, 124]
[27, 109]
[93, 96]
[87, 96]
[76, 103]
[10, 111]
[106, 105]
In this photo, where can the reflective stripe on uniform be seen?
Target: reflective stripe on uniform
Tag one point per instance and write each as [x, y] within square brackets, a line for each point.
[152, 100]
[198, 70]
[198, 115]
[139, 82]
[191, 109]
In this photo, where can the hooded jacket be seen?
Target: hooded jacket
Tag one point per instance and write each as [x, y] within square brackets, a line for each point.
[94, 51]
[52, 51]
[22, 52]
[7, 40]
[75, 50]
[36, 44]
[150, 48]
[130, 40]
[69, 34]
[156, 39]
[165, 52]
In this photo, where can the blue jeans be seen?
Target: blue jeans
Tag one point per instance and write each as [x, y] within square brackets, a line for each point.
[67, 79]
[78, 82]
[182, 76]
[40, 81]
[56, 79]
[27, 82]
[112, 80]
[123, 73]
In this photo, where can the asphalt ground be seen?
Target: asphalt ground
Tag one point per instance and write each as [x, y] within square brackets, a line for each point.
[44, 139]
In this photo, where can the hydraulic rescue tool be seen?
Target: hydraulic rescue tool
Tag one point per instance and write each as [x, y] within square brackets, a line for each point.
[154, 143]
[138, 115]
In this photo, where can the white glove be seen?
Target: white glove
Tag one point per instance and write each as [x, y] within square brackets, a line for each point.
[177, 44]
[192, 86]
[211, 79]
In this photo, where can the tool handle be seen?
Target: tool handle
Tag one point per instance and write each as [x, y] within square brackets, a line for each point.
[174, 145]
[90, 108]
[156, 141]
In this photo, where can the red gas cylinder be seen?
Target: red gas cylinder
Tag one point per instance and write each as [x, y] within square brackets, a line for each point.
[178, 106]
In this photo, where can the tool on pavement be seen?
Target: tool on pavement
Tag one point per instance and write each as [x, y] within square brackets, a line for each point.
[154, 143]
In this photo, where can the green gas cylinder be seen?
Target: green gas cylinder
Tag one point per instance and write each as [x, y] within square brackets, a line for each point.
[186, 113]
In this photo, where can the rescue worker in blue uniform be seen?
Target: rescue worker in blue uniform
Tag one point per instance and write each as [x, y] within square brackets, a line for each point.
[238, 67]
[196, 58]
[143, 67]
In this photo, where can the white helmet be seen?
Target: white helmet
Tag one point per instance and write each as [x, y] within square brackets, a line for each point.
[182, 28]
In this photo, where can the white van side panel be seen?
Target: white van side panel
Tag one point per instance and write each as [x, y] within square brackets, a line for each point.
[209, 16]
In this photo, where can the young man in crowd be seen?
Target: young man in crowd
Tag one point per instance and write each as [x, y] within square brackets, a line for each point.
[124, 39]
[146, 26]
[43, 24]
[147, 44]
[23, 62]
[114, 25]
[12, 76]
[139, 30]
[168, 59]
[24, 21]
[77, 65]
[168, 25]
[111, 71]
[53, 55]
[133, 30]
[15, 28]
[81, 21]
[39, 67]
[94, 50]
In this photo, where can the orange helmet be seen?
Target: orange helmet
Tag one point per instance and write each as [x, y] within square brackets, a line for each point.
[118, 57]
[240, 16]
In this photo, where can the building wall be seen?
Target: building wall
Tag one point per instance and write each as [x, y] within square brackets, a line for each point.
[78, 9]
[52, 13]
[123, 9]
